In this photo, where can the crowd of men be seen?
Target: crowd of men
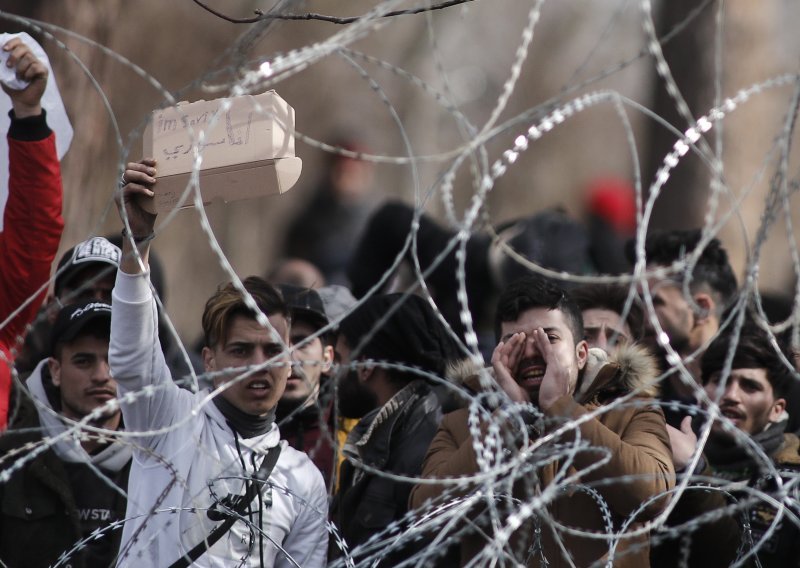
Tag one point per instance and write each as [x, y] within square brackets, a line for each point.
[605, 424]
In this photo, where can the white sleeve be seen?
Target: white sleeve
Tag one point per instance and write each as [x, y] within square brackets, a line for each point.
[136, 360]
[307, 542]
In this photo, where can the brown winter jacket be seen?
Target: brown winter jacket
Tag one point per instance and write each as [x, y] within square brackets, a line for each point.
[638, 445]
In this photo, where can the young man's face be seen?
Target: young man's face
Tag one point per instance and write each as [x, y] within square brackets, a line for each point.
[531, 368]
[310, 359]
[747, 401]
[673, 312]
[94, 282]
[605, 329]
[250, 344]
[82, 375]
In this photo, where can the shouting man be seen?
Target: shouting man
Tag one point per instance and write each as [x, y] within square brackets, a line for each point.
[607, 451]
[212, 484]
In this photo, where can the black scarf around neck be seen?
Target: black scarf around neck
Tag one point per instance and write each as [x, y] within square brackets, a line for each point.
[729, 455]
[246, 425]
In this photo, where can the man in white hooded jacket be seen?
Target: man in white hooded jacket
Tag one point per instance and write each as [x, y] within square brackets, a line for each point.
[205, 487]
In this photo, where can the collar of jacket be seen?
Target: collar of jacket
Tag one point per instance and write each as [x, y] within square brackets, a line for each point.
[370, 440]
[631, 369]
[605, 377]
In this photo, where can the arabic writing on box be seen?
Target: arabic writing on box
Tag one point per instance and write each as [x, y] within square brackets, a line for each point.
[234, 134]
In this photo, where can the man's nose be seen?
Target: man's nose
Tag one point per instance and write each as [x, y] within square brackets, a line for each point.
[258, 357]
[101, 295]
[102, 372]
[530, 347]
[732, 392]
[602, 339]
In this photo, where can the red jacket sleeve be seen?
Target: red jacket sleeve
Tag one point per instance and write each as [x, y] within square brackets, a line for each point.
[28, 244]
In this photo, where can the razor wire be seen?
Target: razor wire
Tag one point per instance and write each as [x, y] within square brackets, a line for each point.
[509, 440]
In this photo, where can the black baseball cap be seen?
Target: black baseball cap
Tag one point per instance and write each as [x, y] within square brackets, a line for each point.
[304, 304]
[74, 318]
[96, 250]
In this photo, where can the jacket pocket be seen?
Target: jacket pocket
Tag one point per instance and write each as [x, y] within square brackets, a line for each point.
[377, 509]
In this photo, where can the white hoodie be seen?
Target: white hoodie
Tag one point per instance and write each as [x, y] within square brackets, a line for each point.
[189, 459]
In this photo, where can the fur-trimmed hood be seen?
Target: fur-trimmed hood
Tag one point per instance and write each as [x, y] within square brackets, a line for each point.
[605, 376]
[631, 369]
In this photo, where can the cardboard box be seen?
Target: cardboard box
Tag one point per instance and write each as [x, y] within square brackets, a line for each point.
[247, 150]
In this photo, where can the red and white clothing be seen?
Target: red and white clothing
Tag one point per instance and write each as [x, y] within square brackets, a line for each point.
[30, 237]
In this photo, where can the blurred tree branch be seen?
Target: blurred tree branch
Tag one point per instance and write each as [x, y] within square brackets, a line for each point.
[260, 16]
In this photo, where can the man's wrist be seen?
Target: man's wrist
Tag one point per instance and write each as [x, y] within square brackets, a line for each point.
[24, 111]
[137, 239]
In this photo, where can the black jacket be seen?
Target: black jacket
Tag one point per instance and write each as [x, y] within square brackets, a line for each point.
[391, 439]
[39, 520]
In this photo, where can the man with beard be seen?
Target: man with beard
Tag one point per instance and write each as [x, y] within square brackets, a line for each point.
[303, 414]
[389, 350]
[614, 456]
[689, 322]
[750, 426]
[73, 488]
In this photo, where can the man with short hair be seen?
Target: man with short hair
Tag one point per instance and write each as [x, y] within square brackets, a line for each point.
[211, 484]
[87, 271]
[621, 454]
[73, 488]
[751, 402]
[602, 307]
[303, 416]
[689, 322]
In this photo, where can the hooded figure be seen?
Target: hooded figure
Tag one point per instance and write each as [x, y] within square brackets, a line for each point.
[390, 347]
[64, 481]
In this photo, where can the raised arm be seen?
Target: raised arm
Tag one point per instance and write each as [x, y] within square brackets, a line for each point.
[32, 218]
[135, 353]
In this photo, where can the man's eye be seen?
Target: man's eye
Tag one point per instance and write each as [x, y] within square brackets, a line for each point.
[273, 350]
[552, 338]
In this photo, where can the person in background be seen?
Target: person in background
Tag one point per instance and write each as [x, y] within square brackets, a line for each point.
[84, 272]
[689, 322]
[384, 348]
[610, 320]
[327, 231]
[298, 272]
[751, 414]
[303, 416]
[32, 222]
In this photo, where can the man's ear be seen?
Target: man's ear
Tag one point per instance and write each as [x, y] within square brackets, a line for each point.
[777, 409]
[55, 370]
[706, 306]
[582, 353]
[209, 361]
[52, 307]
[327, 358]
[365, 372]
